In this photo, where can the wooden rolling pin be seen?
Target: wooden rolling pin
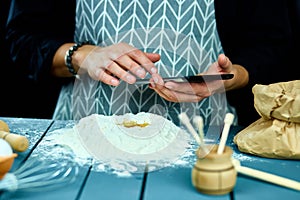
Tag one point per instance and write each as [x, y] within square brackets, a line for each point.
[17, 142]
[272, 178]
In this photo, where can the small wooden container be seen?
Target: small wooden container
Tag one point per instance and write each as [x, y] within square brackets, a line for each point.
[214, 174]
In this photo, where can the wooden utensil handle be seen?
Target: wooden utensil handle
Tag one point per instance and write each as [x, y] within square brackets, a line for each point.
[269, 177]
[17, 142]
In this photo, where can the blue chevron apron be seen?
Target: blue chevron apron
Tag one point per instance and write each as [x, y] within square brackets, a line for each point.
[183, 32]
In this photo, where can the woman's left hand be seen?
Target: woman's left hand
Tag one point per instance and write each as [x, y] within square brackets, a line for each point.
[195, 92]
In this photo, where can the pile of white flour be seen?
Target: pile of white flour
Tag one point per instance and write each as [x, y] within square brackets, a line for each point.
[152, 143]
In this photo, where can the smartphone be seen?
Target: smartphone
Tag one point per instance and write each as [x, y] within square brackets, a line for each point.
[192, 79]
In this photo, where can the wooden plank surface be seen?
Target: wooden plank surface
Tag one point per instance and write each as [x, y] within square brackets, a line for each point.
[104, 186]
[35, 130]
[167, 183]
[248, 188]
[174, 183]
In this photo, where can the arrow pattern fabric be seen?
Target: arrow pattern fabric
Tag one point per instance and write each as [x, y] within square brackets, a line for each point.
[183, 32]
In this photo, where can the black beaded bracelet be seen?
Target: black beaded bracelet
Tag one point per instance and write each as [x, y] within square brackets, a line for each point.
[69, 54]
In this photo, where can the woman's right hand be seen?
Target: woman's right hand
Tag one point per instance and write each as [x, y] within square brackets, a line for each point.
[111, 63]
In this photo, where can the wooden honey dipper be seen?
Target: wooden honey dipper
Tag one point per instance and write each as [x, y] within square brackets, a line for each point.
[17, 142]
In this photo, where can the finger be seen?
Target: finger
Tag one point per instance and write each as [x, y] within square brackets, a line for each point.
[159, 87]
[128, 64]
[203, 90]
[224, 62]
[156, 81]
[154, 57]
[177, 96]
[119, 72]
[141, 58]
[182, 97]
[189, 88]
[107, 78]
[167, 95]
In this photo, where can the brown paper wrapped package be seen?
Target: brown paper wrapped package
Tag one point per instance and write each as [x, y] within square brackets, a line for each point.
[277, 133]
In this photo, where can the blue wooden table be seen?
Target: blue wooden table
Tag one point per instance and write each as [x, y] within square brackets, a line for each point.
[166, 183]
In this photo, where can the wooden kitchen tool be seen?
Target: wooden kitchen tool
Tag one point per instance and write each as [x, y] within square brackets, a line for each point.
[271, 178]
[17, 142]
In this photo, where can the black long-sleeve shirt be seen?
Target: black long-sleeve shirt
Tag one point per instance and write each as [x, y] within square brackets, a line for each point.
[256, 34]
[35, 30]
[262, 36]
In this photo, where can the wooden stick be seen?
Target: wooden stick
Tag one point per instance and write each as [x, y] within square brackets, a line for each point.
[228, 121]
[198, 122]
[185, 120]
[266, 176]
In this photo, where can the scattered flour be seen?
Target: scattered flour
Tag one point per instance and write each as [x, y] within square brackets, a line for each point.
[69, 139]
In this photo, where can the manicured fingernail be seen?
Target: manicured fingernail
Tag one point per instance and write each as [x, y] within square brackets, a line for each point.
[97, 73]
[130, 78]
[155, 79]
[153, 70]
[141, 73]
[114, 82]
